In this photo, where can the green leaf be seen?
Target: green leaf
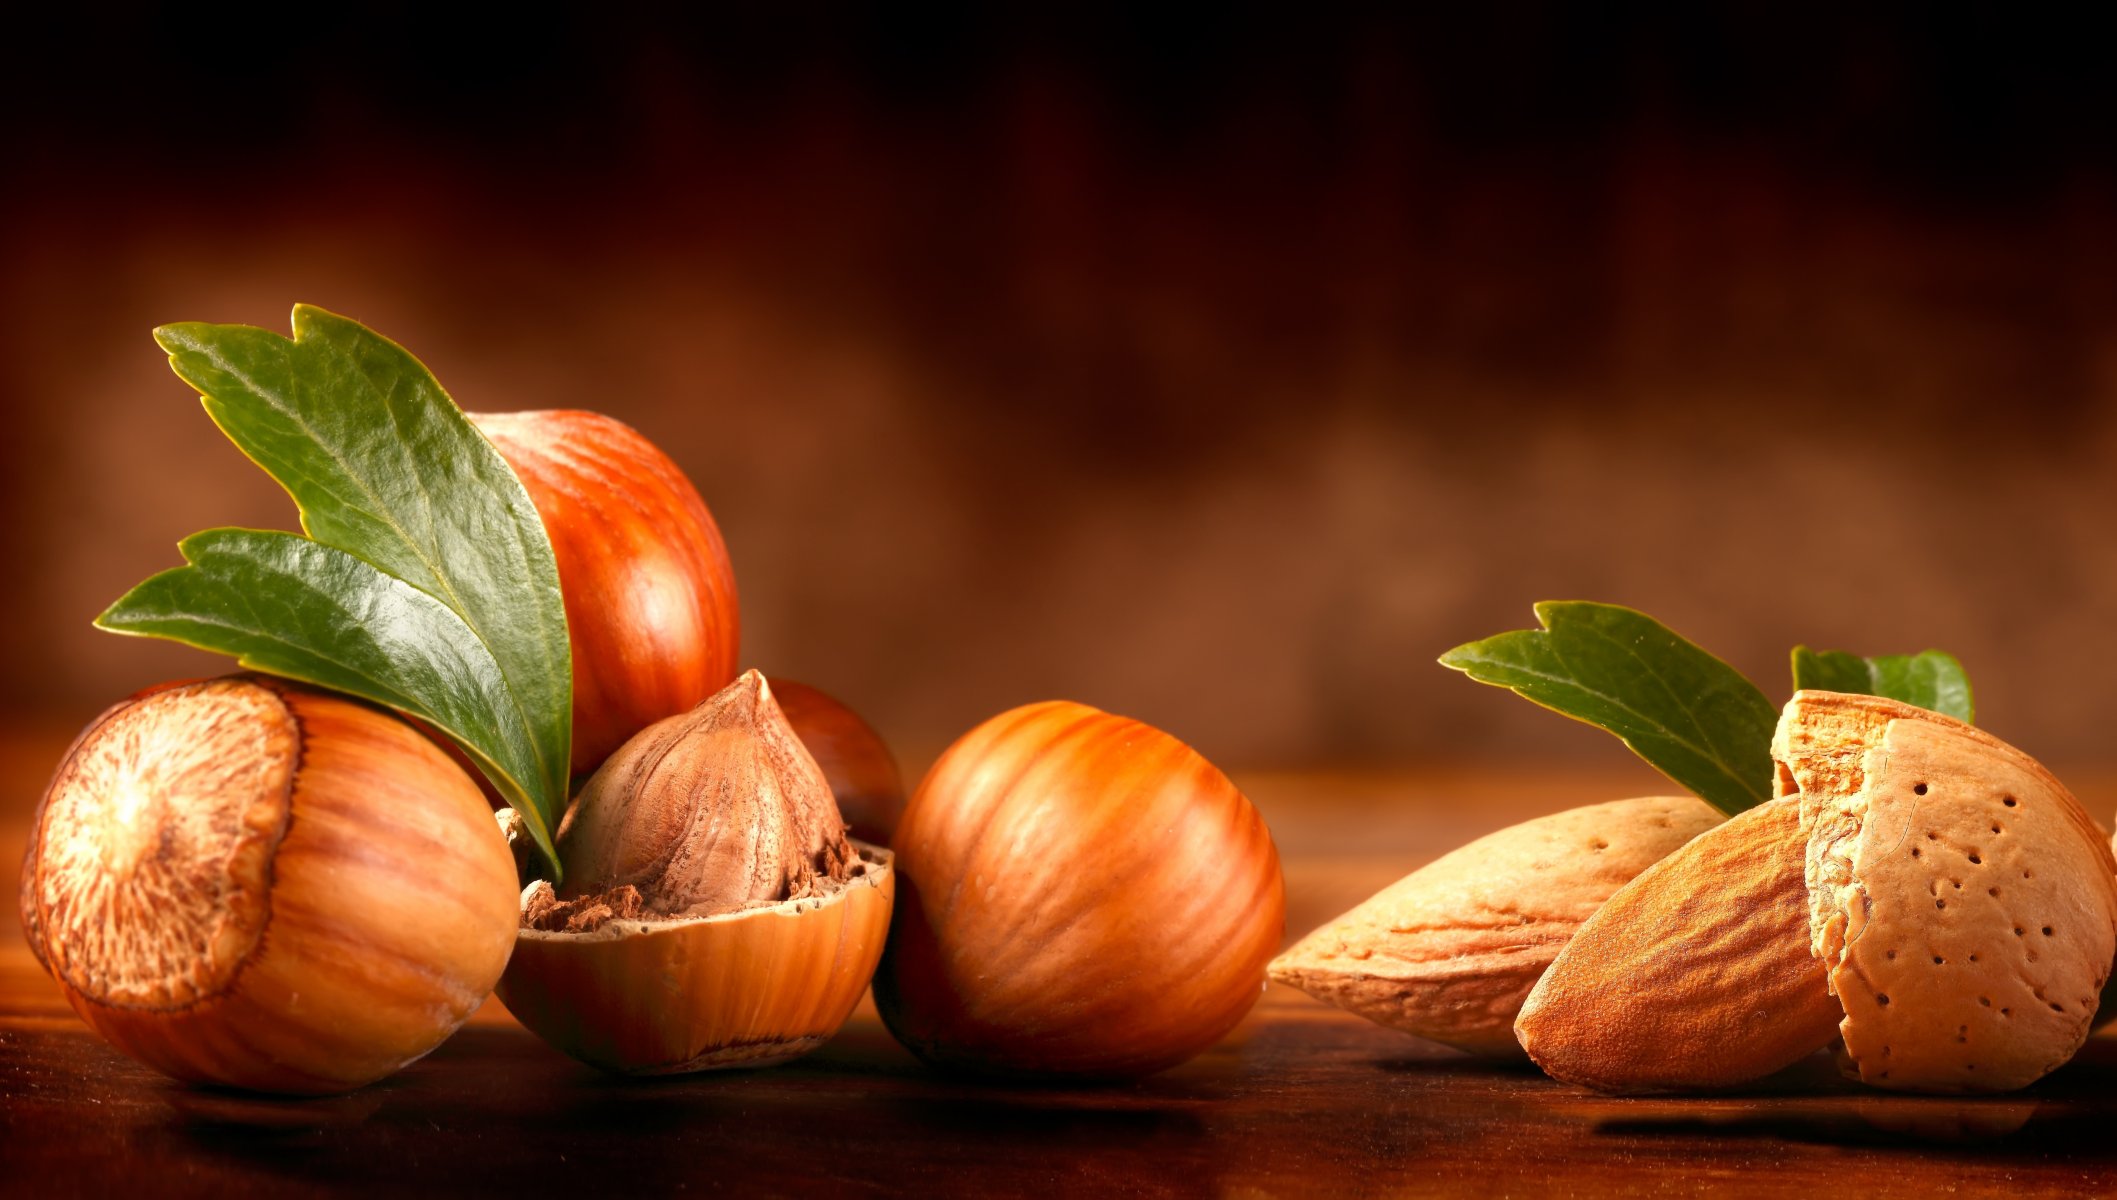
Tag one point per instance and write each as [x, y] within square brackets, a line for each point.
[294, 607]
[1931, 679]
[386, 469]
[1689, 715]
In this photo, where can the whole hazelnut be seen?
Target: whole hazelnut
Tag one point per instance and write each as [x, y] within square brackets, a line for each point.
[242, 882]
[1083, 895]
[857, 762]
[650, 594]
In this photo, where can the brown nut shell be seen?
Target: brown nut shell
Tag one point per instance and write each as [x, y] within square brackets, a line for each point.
[651, 611]
[1450, 951]
[241, 882]
[862, 772]
[1084, 896]
[1694, 975]
[744, 989]
[1962, 899]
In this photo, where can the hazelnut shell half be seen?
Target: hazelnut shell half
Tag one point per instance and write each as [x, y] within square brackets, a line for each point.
[744, 989]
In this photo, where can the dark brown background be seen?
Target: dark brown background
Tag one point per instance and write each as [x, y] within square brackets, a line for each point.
[1221, 369]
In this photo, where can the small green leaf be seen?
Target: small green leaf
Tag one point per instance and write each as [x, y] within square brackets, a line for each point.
[294, 607]
[1931, 679]
[1689, 715]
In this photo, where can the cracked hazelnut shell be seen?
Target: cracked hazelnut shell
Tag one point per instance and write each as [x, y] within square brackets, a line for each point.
[1081, 895]
[716, 915]
[650, 595]
[242, 882]
[744, 989]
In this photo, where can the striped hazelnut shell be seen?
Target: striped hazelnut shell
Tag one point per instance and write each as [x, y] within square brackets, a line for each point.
[750, 988]
[1081, 895]
[241, 882]
[651, 609]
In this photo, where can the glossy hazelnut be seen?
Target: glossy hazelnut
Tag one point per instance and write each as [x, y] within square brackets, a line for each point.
[650, 594]
[1081, 895]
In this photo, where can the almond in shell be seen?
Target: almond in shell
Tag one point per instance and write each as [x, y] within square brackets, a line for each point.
[1450, 951]
[1695, 975]
[1962, 901]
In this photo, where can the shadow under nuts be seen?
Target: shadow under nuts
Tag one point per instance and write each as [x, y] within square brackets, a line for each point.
[217, 877]
[714, 912]
[1083, 895]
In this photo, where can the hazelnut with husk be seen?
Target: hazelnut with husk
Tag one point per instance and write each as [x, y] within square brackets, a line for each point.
[713, 911]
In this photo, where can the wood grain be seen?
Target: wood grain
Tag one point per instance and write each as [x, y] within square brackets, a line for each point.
[1301, 1099]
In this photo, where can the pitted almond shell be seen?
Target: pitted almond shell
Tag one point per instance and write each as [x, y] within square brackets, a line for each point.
[745, 989]
[1450, 951]
[1695, 975]
[1963, 901]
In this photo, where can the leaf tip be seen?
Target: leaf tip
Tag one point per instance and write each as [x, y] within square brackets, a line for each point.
[177, 337]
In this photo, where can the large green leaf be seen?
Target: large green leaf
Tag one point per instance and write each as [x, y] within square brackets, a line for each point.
[1931, 679]
[294, 607]
[1689, 715]
[385, 468]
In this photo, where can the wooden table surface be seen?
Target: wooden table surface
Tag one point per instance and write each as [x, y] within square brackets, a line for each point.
[1301, 1099]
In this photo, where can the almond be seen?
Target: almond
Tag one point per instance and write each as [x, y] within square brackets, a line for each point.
[1962, 901]
[1450, 951]
[1697, 974]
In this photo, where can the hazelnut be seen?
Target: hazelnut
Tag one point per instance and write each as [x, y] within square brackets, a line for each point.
[242, 882]
[1083, 895]
[714, 912]
[862, 772]
[650, 595]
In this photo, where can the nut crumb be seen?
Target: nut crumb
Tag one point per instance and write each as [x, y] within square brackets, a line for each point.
[543, 910]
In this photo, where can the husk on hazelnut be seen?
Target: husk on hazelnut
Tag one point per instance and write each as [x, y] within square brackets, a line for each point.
[714, 912]
[243, 882]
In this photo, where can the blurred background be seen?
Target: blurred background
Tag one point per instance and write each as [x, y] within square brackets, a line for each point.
[1219, 368]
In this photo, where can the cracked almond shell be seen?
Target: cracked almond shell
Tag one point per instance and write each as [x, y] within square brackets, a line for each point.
[1450, 951]
[750, 988]
[1962, 900]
